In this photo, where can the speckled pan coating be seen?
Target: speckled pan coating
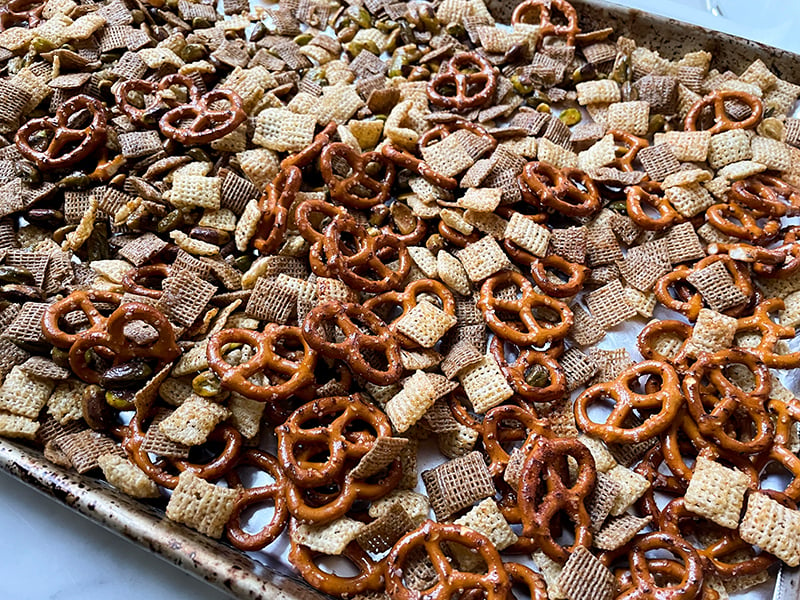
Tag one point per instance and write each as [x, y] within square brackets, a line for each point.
[232, 571]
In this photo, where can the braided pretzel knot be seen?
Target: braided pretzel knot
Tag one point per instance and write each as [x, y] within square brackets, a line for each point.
[215, 468]
[722, 122]
[163, 97]
[342, 444]
[730, 399]
[133, 280]
[408, 299]
[767, 194]
[676, 514]
[21, 12]
[364, 267]
[78, 300]
[110, 337]
[405, 160]
[284, 376]
[531, 332]
[358, 189]
[771, 333]
[667, 401]
[517, 372]
[576, 274]
[274, 492]
[308, 213]
[430, 536]
[495, 428]
[545, 475]
[530, 10]
[650, 193]
[470, 89]
[567, 191]
[68, 146]
[737, 221]
[643, 583]
[274, 206]
[207, 124]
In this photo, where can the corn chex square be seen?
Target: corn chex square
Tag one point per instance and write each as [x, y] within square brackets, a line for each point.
[632, 486]
[283, 130]
[716, 492]
[127, 477]
[527, 234]
[630, 117]
[425, 324]
[483, 259]
[411, 402]
[331, 538]
[24, 394]
[189, 191]
[485, 384]
[772, 527]
[712, 332]
[192, 422]
[201, 505]
[729, 147]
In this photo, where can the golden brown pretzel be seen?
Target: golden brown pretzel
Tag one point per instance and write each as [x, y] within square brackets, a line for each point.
[405, 160]
[516, 372]
[722, 122]
[163, 98]
[568, 191]
[532, 10]
[132, 280]
[627, 147]
[429, 537]
[347, 190]
[650, 334]
[650, 193]
[274, 206]
[771, 333]
[741, 222]
[767, 194]
[78, 300]
[21, 12]
[576, 274]
[308, 155]
[441, 131]
[308, 216]
[205, 124]
[469, 89]
[533, 331]
[494, 429]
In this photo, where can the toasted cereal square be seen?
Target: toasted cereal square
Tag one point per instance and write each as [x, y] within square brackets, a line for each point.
[485, 384]
[193, 421]
[759, 74]
[773, 154]
[481, 199]
[127, 477]
[689, 200]
[689, 146]
[586, 329]
[380, 535]
[185, 297]
[283, 130]
[527, 234]
[683, 244]
[425, 324]
[24, 394]
[64, 405]
[331, 538]
[416, 505]
[190, 191]
[741, 170]
[717, 287]
[607, 304]
[556, 155]
[425, 260]
[729, 147]
[18, 427]
[551, 571]
[458, 484]
[201, 505]
[772, 527]
[246, 415]
[632, 486]
[602, 499]
[600, 91]
[461, 356]
[578, 368]
[713, 331]
[410, 403]
[584, 577]
[659, 161]
[383, 452]
[630, 117]
[448, 157]
[483, 259]
[618, 531]
[716, 492]
[486, 519]
[457, 442]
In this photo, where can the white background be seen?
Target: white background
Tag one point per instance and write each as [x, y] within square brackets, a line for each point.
[48, 552]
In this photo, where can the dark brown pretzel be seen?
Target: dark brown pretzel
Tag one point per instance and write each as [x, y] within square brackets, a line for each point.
[273, 492]
[650, 193]
[722, 122]
[576, 274]
[667, 401]
[76, 301]
[162, 97]
[516, 372]
[494, 432]
[207, 124]
[308, 215]
[21, 12]
[470, 89]
[532, 332]
[60, 153]
[544, 476]
[767, 194]
[406, 160]
[358, 189]
[274, 206]
[132, 280]
[353, 320]
[284, 376]
[570, 192]
[429, 537]
[540, 10]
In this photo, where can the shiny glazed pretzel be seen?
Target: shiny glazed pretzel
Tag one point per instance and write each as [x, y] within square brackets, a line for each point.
[576, 274]
[67, 146]
[133, 280]
[744, 223]
[649, 193]
[207, 124]
[496, 430]
[429, 537]
[21, 12]
[532, 10]
[469, 89]
[163, 97]
[531, 332]
[358, 189]
[771, 333]
[274, 206]
[308, 214]
[665, 402]
[767, 194]
[566, 191]
[545, 475]
[627, 148]
[405, 160]
[722, 122]
[78, 300]
[285, 376]
[517, 372]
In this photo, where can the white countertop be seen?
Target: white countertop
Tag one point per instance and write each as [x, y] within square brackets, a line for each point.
[49, 552]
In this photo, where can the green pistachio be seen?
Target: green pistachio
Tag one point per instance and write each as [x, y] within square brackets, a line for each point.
[570, 117]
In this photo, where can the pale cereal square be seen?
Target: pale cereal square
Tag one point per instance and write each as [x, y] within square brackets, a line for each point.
[528, 234]
[772, 527]
[600, 91]
[729, 147]
[331, 538]
[632, 486]
[483, 259]
[412, 402]
[716, 492]
[630, 117]
[127, 477]
[283, 130]
[193, 421]
[425, 324]
[485, 385]
[201, 505]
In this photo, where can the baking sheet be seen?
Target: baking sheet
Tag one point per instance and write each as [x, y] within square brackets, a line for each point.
[266, 574]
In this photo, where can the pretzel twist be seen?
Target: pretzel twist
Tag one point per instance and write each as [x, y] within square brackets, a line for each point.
[133, 280]
[649, 193]
[359, 189]
[568, 191]
[470, 89]
[722, 122]
[274, 206]
[541, 10]
[206, 124]
[78, 300]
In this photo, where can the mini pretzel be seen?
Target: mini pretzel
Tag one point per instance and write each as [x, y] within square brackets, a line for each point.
[722, 122]
[361, 267]
[627, 147]
[567, 191]
[162, 97]
[341, 443]
[545, 475]
[731, 400]
[533, 581]
[576, 274]
[495, 427]
[767, 194]
[785, 416]
[531, 10]
[132, 280]
[308, 155]
[441, 131]
[430, 537]
[667, 401]
[771, 333]
[274, 206]
[737, 221]
[650, 333]
[206, 124]
[649, 193]
[516, 372]
[57, 154]
[533, 331]
[110, 337]
[469, 89]
[78, 300]
[406, 160]
[455, 237]
[644, 585]
[274, 492]
[649, 468]
[358, 189]
[369, 578]
[305, 219]
[284, 376]
[21, 12]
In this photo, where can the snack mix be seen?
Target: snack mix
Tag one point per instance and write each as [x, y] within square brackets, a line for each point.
[325, 242]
